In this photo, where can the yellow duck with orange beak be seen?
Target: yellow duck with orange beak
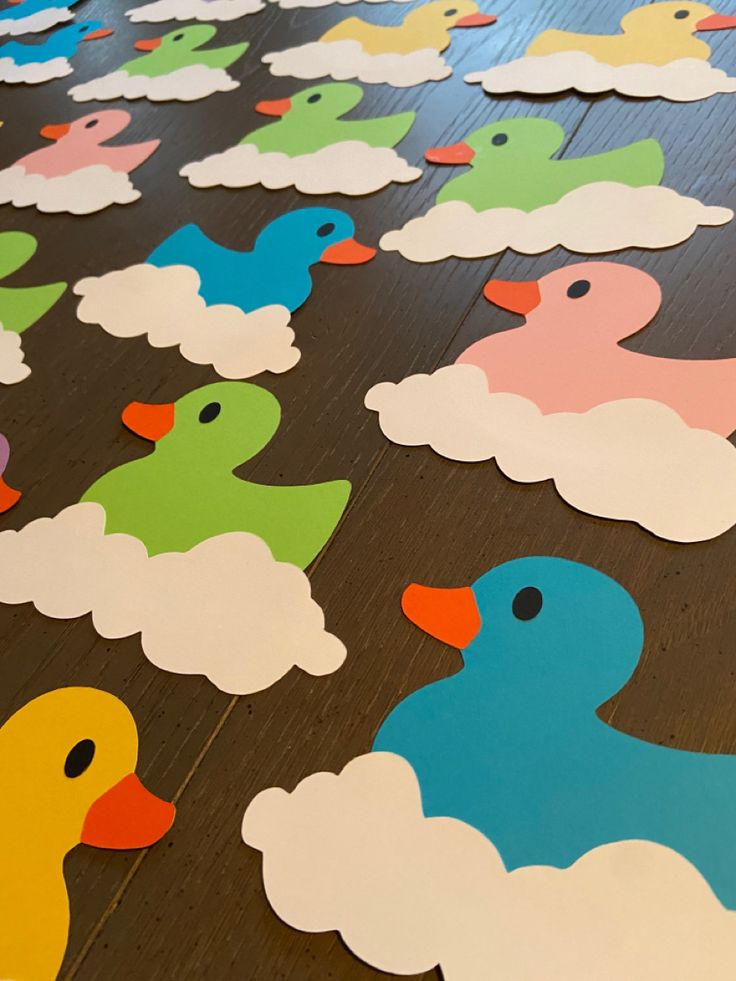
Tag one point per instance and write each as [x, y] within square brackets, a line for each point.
[67, 772]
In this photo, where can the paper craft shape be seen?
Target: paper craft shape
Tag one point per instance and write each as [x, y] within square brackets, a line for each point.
[312, 148]
[173, 68]
[656, 55]
[400, 56]
[77, 173]
[201, 586]
[40, 61]
[207, 10]
[623, 435]
[516, 196]
[8, 495]
[67, 765]
[20, 307]
[224, 307]
[31, 16]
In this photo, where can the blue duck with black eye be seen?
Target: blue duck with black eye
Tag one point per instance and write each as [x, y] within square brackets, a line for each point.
[61, 44]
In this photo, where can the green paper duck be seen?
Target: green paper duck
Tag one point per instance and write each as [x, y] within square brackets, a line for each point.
[512, 166]
[21, 307]
[186, 492]
[310, 120]
[180, 49]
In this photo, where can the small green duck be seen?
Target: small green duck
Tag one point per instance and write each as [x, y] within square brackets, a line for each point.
[21, 307]
[185, 491]
[179, 49]
[512, 166]
[310, 120]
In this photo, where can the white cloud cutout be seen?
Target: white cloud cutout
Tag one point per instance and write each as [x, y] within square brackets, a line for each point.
[12, 368]
[342, 60]
[631, 460]
[36, 72]
[685, 80]
[183, 85]
[351, 168]
[42, 20]
[294, 4]
[202, 10]
[354, 853]
[224, 609]
[164, 305]
[79, 193]
[595, 218]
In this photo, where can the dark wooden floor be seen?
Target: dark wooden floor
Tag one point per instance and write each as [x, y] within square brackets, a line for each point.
[193, 907]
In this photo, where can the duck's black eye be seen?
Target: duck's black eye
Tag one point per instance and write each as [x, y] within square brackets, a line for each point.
[178, 37]
[451, 12]
[79, 758]
[314, 98]
[579, 288]
[527, 603]
[682, 14]
[326, 229]
[210, 411]
[91, 123]
[499, 139]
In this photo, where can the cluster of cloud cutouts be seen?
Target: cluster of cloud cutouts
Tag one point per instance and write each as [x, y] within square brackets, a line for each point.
[183, 85]
[79, 193]
[225, 609]
[36, 72]
[625, 217]
[42, 20]
[354, 852]
[352, 167]
[684, 80]
[202, 10]
[12, 367]
[632, 460]
[342, 60]
[165, 306]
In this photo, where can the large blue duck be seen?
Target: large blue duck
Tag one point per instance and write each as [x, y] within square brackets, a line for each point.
[276, 271]
[61, 44]
[22, 11]
[512, 743]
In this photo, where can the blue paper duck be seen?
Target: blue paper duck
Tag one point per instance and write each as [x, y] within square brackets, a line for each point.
[21, 11]
[61, 44]
[277, 270]
[512, 743]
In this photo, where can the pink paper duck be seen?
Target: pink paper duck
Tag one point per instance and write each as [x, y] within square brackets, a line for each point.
[567, 356]
[79, 144]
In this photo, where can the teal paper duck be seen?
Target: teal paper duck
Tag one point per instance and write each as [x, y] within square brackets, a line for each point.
[512, 167]
[61, 44]
[186, 492]
[22, 306]
[181, 49]
[311, 120]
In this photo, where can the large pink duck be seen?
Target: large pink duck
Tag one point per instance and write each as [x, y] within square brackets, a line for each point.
[567, 356]
[79, 144]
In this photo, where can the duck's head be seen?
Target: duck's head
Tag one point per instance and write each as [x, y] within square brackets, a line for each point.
[317, 103]
[94, 128]
[216, 427]
[85, 30]
[311, 235]
[559, 630]
[674, 18]
[8, 496]
[180, 41]
[446, 14]
[503, 143]
[67, 769]
[589, 300]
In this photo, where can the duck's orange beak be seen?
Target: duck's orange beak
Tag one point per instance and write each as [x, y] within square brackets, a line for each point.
[8, 496]
[273, 107]
[149, 44]
[517, 297]
[347, 253]
[95, 35]
[716, 22]
[149, 421]
[456, 153]
[127, 816]
[55, 131]
[476, 20]
[450, 615]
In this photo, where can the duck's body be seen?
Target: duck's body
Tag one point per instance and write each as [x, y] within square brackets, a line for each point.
[182, 49]
[61, 44]
[22, 306]
[512, 744]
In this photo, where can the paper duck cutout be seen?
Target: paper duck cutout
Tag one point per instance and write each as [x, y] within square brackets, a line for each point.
[40, 61]
[516, 196]
[22, 306]
[655, 54]
[209, 10]
[186, 492]
[512, 744]
[172, 67]
[67, 765]
[8, 495]
[78, 172]
[401, 56]
[311, 147]
[31, 16]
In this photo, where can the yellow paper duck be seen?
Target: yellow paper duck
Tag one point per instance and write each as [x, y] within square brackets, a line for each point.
[67, 772]
[655, 34]
[426, 27]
